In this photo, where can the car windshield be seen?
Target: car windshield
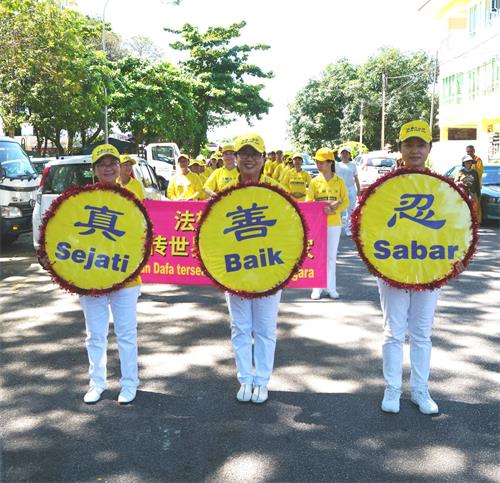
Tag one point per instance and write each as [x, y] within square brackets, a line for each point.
[64, 176]
[380, 162]
[307, 160]
[14, 161]
[163, 153]
[491, 175]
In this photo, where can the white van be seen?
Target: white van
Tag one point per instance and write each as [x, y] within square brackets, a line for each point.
[18, 185]
[162, 157]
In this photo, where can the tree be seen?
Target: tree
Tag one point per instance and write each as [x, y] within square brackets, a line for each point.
[144, 48]
[220, 72]
[50, 76]
[153, 101]
[316, 113]
[327, 110]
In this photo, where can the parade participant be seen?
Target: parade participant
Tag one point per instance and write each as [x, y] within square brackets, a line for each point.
[297, 180]
[328, 186]
[253, 318]
[212, 163]
[197, 166]
[408, 310]
[270, 163]
[467, 177]
[185, 185]
[478, 167]
[278, 162]
[126, 180]
[477, 163]
[123, 303]
[347, 170]
[222, 176]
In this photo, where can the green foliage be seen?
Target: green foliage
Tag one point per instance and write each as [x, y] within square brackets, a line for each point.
[153, 102]
[219, 71]
[327, 110]
[50, 75]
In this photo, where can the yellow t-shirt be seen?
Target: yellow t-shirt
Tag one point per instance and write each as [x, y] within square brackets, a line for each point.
[284, 173]
[185, 187]
[297, 183]
[322, 190]
[135, 186]
[220, 178]
[269, 167]
[277, 170]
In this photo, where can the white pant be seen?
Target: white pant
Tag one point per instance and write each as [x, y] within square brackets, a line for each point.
[346, 214]
[413, 311]
[253, 317]
[123, 304]
[332, 246]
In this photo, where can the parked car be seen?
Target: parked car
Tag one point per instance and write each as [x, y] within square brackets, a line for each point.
[18, 186]
[309, 165]
[371, 166]
[61, 174]
[40, 163]
[490, 190]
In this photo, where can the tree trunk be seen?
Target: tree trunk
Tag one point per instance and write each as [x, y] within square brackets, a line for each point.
[71, 140]
[201, 134]
[94, 136]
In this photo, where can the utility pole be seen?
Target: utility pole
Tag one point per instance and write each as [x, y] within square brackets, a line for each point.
[361, 115]
[382, 131]
[431, 119]
[103, 38]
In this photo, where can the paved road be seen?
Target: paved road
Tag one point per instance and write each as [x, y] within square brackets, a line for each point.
[322, 422]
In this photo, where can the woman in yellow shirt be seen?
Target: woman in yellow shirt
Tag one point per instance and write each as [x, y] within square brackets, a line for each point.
[185, 185]
[126, 180]
[327, 186]
[123, 303]
[297, 180]
[221, 177]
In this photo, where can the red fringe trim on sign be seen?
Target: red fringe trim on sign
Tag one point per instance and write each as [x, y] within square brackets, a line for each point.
[356, 221]
[297, 266]
[73, 191]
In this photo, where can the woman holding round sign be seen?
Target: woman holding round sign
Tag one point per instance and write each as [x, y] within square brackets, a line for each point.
[251, 241]
[414, 230]
[329, 187]
[94, 241]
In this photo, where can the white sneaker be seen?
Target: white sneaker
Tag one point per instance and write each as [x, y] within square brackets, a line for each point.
[333, 294]
[423, 400]
[390, 403]
[93, 395]
[245, 393]
[316, 293]
[127, 395]
[260, 394]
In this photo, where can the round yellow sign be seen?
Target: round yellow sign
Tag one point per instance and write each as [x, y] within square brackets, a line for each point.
[95, 238]
[251, 240]
[413, 227]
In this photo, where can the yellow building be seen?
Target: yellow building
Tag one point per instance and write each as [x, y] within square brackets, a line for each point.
[469, 80]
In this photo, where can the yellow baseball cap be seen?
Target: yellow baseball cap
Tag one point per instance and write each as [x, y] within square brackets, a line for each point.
[228, 147]
[104, 150]
[324, 154]
[201, 159]
[197, 161]
[185, 156]
[415, 129]
[253, 140]
[125, 158]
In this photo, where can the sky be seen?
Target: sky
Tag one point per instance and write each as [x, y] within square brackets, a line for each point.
[304, 35]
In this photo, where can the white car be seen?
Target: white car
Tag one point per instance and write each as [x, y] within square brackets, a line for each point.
[373, 165]
[61, 174]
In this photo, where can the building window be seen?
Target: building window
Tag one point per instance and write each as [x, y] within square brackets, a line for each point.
[473, 20]
[473, 76]
[494, 9]
[453, 88]
[496, 75]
